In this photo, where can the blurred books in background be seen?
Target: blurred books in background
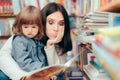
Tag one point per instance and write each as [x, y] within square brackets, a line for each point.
[107, 49]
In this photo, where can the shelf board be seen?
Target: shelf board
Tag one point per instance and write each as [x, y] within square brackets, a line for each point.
[75, 15]
[4, 37]
[7, 15]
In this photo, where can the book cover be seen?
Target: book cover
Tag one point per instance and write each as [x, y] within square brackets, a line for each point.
[114, 19]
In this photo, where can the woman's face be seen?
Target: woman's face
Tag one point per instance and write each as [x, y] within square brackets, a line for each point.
[54, 24]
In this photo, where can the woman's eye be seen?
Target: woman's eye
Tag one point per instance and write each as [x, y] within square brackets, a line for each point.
[61, 24]
[50, 22]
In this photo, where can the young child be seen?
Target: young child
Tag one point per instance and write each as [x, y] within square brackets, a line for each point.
[27, 49]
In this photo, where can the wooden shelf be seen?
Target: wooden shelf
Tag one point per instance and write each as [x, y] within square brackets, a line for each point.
[7, 15]
[4, 37]
[75, 15]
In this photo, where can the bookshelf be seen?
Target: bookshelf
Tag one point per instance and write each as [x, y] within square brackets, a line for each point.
[107, 59]
[106, 50]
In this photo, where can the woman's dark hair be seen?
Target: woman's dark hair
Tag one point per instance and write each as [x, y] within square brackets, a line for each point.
[66, 43]
[28, 15]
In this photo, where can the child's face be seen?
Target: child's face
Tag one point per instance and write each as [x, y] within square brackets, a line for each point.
[30, 30]
[54, 24]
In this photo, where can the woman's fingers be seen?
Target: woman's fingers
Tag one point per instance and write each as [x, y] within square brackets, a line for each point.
[58, 38]
[53, 78]
[60, 35]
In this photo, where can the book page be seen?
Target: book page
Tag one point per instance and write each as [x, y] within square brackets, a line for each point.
[46, 72]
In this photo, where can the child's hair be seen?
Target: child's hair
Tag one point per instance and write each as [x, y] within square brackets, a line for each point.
[28, 15]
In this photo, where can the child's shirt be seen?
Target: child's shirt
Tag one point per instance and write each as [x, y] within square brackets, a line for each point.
[28, 53]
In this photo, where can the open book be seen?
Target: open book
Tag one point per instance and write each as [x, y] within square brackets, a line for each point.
[46, 72]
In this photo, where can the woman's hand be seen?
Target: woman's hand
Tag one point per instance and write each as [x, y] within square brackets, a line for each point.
[53, 78]
[59, 37]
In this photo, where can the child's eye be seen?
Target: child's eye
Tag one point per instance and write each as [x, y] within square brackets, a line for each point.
[33, 27]
[25, 26]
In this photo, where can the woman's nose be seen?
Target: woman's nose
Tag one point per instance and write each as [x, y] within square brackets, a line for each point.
[56, 27]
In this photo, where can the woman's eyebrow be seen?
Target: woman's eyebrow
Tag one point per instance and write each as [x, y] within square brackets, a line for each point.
[50, 19]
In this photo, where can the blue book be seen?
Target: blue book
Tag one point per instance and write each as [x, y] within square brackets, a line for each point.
[114, 19]
[72, 22]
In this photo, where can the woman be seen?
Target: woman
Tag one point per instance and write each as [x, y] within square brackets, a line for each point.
[57, 30]
[57, 41]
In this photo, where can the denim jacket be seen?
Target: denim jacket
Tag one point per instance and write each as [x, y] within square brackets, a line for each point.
[28, 53]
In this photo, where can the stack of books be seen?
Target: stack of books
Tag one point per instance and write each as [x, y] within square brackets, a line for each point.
[96, 19]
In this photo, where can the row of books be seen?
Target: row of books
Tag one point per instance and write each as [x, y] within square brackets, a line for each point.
[77, 7]
[107, 49]
[6, 6]
[81, 7]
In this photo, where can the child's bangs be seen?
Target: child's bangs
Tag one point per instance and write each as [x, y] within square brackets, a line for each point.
[30, 20]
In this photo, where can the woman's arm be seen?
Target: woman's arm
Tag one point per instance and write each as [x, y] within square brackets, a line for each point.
[54, 57]
[7, 64]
